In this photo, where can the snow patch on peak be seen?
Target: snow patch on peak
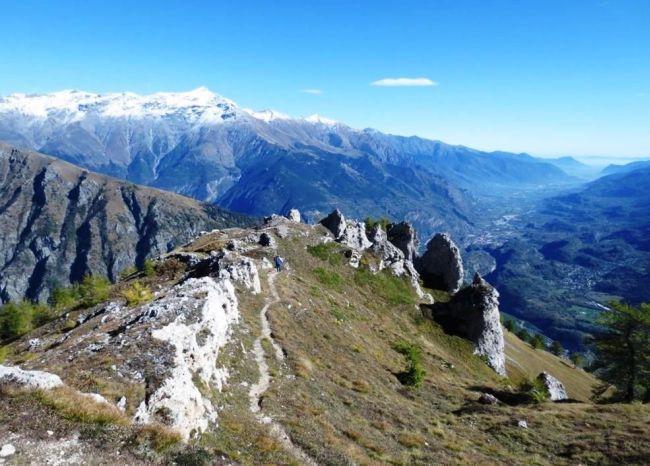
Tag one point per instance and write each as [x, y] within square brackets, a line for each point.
[267, 115]
[318, 119]
[198, 105]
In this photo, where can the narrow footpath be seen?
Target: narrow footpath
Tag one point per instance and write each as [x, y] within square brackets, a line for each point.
[257, 390]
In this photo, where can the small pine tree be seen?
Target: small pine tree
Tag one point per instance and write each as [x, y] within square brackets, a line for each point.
[149, 268]
[93, 289]
[414, 373]
[623, 350]
[576, 359]
[538, 342]
[557, 348]
[509, 325]
[523, 335]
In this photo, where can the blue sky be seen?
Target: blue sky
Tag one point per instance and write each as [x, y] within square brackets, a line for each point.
[542, 76]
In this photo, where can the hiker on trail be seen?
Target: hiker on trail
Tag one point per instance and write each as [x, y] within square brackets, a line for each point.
[278, 263]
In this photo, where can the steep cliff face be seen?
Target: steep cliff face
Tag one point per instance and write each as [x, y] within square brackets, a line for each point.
[59, 222]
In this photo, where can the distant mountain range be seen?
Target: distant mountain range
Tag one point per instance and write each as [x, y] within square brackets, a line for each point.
[611, 169]
[59, 223]
[205, 146]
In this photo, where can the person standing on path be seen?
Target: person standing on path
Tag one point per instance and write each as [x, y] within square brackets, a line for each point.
[278, 263]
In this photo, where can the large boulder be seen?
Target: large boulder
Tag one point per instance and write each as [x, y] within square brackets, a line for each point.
[294, 215]
[335, 222]
[473, 313]
[29, 379]
[441, 266]
[404, 237]
[555, 388]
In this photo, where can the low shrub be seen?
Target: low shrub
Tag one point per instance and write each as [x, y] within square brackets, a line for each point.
[149, 268]
[159, 436]
[414, 373]
[137, 294]
[534, 391]
[383, 222]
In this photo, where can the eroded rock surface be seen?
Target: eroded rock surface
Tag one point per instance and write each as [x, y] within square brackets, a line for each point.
[294, 215]
[473, 313]
[335, 222]
[441, 266]
[205, 311]
[404, 237]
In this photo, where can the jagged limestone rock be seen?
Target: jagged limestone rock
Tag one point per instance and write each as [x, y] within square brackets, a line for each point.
[355, 237]
[350, 233]
[555, 388]
[294, 215]
[392, 258]
[404, 237]
[199, 308]
[441, 266]
[335, 222]
[473, 313]
[241, 270]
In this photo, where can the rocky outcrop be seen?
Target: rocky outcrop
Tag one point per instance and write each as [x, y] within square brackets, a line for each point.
[555, 388]
[441, 266]
[354, 236]
[294, 215]
[404, 237]
[59, 223]
[473, 313]
[335, 222]
[350, 233]
[204, 311]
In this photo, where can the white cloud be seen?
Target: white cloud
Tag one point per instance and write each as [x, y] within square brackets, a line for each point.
[404, 82]
[312, 91]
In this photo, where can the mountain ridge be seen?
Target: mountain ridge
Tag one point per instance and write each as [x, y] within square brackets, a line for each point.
[62, 222]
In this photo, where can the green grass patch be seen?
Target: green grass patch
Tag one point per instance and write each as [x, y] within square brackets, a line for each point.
[385, 285]
[338, 314]
[329, 252]
[328, 278]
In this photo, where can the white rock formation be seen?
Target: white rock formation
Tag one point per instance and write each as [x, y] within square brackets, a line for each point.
[242, 271]
[294, 215]
[29, 379]
[555, 388]
[7, 450]
[197, 338]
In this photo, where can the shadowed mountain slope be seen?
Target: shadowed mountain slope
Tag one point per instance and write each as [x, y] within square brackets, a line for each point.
[60, 222]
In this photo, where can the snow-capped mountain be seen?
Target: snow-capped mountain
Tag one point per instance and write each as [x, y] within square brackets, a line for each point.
[204, 145]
